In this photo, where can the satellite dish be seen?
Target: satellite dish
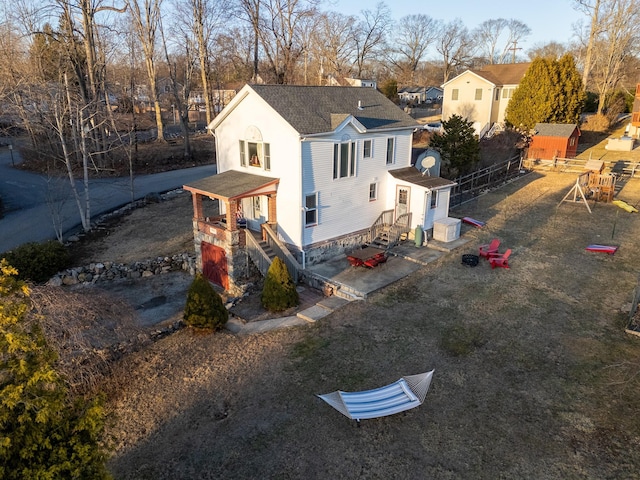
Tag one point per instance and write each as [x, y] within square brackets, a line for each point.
[427, 163]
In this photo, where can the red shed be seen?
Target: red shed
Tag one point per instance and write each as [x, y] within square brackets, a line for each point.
[554, 140]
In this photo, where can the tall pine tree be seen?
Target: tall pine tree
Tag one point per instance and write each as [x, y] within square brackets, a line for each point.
[550, 92]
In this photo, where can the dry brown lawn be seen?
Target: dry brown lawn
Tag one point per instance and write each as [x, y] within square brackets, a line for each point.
[535, 377]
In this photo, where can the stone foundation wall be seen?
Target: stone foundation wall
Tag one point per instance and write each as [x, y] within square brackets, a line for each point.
[323, 251]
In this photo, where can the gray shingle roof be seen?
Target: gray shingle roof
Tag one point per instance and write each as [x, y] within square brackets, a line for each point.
[563, 130]
[231, 184]
[311, 110]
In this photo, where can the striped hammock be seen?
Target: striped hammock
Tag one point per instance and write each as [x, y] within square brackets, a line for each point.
[404, 394]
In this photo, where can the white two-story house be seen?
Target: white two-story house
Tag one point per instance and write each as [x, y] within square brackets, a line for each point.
[482, 95]
[315, 170]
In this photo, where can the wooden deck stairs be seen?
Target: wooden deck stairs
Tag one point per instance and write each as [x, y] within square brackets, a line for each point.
[385, 233]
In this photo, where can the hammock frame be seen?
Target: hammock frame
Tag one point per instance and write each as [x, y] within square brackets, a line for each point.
[404, 394]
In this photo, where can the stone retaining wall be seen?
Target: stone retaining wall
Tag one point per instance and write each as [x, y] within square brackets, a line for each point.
[108, 271]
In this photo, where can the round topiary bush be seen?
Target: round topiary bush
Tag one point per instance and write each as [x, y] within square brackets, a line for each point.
[279, 291]
[204, 308]
[38, 262]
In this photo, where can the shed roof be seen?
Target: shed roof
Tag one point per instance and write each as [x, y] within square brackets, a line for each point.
[312, 109]
[412, 175]
[233, 185]
[564, 130]
[503, 74]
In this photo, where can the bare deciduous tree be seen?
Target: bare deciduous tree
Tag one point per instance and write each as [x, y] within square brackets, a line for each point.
[499, 37]
[456, 47]
[371, 34]
[146, 16]
[414, 34]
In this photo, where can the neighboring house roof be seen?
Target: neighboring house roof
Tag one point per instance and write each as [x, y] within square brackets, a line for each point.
[412, 175]
[412, 90]
[504, 73]
[233, 184]
[564, 130]
[313, 110]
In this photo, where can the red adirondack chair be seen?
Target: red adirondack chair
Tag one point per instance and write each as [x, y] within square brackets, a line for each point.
[489, 249]
[500, 260]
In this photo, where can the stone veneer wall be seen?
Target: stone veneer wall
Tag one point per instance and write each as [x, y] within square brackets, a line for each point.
[323, 251]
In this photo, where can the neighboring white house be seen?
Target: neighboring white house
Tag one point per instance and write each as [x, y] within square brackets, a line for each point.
[335, 81]
[318, 166]
[481, 96]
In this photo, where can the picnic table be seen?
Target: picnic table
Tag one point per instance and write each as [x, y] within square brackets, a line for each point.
[367, 256]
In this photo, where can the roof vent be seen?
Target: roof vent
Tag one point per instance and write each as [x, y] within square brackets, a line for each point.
[360, 107]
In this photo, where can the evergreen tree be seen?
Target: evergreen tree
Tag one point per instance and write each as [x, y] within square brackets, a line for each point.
[458, 145]
[390, 90]
[279, 291]
[550, 92]
[43, 432]
[204, 308]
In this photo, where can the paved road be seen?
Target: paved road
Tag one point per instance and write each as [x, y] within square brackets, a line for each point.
[28, 216]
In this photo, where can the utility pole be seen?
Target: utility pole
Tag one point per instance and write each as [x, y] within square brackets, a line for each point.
[513, 49]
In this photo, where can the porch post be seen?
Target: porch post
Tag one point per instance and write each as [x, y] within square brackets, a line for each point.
[232, 209]
[272, 218]
[198, 214]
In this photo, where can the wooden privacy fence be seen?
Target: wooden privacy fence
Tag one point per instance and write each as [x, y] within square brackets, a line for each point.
[471, 185]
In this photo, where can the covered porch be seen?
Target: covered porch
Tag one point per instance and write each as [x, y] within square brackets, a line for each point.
[219, 228]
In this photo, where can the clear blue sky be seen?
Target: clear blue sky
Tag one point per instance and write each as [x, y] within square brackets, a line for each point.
[549, 20]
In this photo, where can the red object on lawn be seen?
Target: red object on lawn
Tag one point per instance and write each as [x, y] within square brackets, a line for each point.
[610, 249]
[500, 259]
[473, 221]
[489, 249]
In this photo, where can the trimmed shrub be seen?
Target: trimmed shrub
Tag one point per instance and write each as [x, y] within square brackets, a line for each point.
[279, 291]
[204, 308]
[38, 262]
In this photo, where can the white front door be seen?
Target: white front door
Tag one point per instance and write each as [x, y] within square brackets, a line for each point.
[257, 216]
[402, 200]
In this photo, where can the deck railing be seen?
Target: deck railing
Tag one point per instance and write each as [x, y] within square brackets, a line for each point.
[401, 226]
[384, 219]
[257, 255]
[282, 252]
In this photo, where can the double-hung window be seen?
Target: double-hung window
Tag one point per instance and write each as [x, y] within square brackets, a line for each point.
[390, 150]
[454, 94]
[344, 159]
[367, 149]
[311, 209]
[478, 94]
[373, 192]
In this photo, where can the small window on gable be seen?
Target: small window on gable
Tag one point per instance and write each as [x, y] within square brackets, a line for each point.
[367, 149]
[311, 209]
[390, 150]
[454, 94]
[255, 154]
[478, 94]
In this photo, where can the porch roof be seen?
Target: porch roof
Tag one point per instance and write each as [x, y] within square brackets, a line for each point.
[233, 185]
[413, 175]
